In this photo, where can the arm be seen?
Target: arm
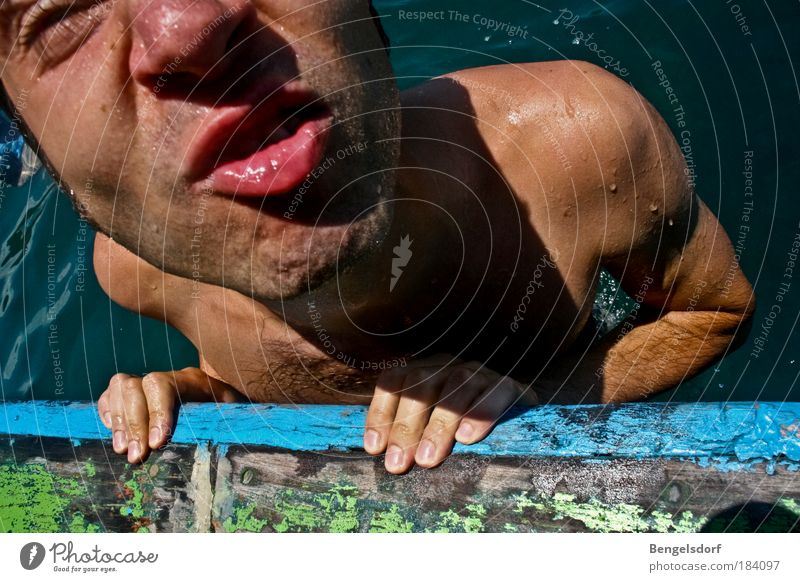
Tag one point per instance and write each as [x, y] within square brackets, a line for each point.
[671, 255]
[691, 313]
[245, 354]
[239, 341]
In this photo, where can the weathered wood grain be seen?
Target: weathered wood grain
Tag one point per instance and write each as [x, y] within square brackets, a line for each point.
[49, 485]
[627, 468]
[260, 490]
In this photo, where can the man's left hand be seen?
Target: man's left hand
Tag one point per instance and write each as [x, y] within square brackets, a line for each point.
[419, 411]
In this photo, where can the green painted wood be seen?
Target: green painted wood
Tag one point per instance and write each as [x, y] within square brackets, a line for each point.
[51, 485]
[636, 467]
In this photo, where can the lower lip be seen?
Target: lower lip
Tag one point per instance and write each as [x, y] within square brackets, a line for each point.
[276, 169]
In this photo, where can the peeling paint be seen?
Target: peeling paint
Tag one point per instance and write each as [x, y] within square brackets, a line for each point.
[138, 489]
[745, 431]
[134, 507]
[622, 517]
[90, 469]
[243, 520]
[34, 500]
[390, 521]
[297, 517]
[451, 521]
[340, 507]
[336, 511]
[80, 525]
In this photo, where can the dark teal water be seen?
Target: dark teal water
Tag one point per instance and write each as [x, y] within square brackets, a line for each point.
[733, 68]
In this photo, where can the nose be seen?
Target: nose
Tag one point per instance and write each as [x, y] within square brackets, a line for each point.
[183, 37]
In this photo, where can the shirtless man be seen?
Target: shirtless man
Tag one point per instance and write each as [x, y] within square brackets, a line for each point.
[259, 147]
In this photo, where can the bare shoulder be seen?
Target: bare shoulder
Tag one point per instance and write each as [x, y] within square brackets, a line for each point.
[583, 131]
[577, 84]
[595, 117]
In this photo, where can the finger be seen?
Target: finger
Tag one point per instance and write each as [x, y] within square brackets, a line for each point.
[487, 410]
[136, 423]
[162, 400]
[460, 390]
[381, 413]
[420, 394]
[119, 434]
[104, 408]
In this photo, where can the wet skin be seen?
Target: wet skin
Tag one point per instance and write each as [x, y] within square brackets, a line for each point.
[532, 226]
[515, 184]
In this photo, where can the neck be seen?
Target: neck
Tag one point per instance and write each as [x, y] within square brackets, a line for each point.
[423, 269]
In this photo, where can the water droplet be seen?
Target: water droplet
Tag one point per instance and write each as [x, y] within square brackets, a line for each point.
[670, 222]
[653, 208]
[613, 187]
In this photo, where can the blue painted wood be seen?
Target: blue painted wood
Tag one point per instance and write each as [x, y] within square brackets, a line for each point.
[746, 432]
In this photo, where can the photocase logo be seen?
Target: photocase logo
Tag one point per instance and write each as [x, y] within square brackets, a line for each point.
[402, 253]
[31, 555]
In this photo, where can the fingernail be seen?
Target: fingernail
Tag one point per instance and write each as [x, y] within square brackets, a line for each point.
[119, 440]
[133, 451]
[371, 440]
[394, 457]
[465, 431]
[426, 450]
[107, 417]
[155, 437]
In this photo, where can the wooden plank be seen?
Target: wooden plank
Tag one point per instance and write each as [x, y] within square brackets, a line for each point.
[259, 490]
[51, 485]
[640, 467]
[747, 431]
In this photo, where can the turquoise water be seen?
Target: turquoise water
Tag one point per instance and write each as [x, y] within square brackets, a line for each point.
[733, 71]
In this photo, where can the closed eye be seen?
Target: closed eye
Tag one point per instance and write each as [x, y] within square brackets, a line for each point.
[57, 27]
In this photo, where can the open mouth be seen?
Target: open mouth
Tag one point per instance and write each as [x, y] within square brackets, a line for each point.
[265, 146]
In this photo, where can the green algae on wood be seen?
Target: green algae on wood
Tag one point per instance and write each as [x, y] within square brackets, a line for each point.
[620, 517]
[243, 520]
[335, 511]
[33, 500]
[469, 520]
[390, 521]
[80, 525]
[90, 468]
[138, 490]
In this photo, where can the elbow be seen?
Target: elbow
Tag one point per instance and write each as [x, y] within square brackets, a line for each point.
[744, 324]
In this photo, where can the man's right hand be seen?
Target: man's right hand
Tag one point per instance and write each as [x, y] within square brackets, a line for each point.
[141, 411]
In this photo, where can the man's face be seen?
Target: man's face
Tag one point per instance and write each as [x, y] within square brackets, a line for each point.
[229, 141]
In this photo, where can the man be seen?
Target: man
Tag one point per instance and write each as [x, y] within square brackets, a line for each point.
[458, 230]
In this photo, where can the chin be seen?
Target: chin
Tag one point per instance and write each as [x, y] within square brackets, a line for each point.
[312, 257]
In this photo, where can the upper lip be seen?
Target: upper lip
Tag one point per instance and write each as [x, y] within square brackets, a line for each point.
[255, 118]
